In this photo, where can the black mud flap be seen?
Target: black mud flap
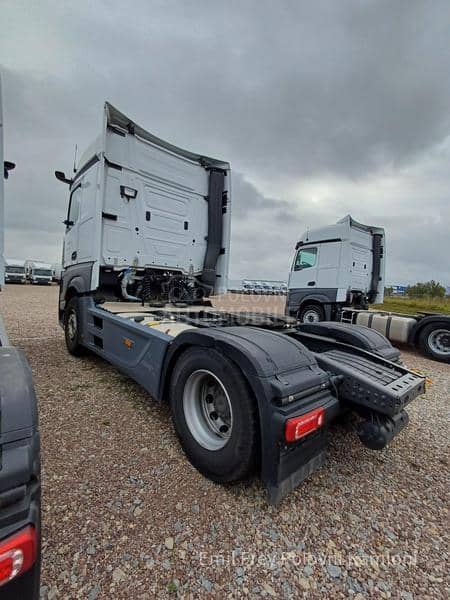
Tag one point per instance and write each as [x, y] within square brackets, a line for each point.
[289, 464]
[294, 466]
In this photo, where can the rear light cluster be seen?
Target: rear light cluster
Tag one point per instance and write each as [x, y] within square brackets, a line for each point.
[17, 554]
[298, 427]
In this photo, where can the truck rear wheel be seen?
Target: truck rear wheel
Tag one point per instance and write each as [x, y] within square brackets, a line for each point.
[434, 340]
[214, 415]
[311, 313]
[72, 327]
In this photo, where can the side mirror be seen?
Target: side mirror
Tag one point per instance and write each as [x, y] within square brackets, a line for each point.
[8, 166]
[61, 176]
[68, 223]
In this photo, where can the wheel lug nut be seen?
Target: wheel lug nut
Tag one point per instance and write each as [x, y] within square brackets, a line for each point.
[209, 398]
[223, 429]
[213, 415]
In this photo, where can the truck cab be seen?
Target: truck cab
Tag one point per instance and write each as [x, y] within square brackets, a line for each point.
[15, 271]
[335, 266]
[145, 219]
[39, 273]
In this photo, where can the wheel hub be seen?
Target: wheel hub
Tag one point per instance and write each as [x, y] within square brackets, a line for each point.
[439, 341]
[311, 316]
[207, 410]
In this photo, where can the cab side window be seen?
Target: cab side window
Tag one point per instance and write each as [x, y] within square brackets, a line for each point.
[74, 207]
[306, 257]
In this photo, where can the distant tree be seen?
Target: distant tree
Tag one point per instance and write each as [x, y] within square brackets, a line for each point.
[431, 289]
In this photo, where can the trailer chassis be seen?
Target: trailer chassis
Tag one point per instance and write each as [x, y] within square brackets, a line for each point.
[430, 333]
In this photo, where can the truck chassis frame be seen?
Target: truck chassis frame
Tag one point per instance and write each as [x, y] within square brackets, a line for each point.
[291, 370]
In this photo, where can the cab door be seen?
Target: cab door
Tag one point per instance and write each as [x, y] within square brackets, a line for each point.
[304, 269]
[72, 222]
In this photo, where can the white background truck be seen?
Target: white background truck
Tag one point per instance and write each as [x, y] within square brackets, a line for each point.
[39, 273]
[147, 241]
[338, 270]
[20, 488]
[15, 271]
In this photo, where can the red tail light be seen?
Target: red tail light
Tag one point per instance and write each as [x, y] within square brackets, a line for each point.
[298, 427]
[17, 554]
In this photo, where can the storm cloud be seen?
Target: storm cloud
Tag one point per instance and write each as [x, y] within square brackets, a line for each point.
[322, 108]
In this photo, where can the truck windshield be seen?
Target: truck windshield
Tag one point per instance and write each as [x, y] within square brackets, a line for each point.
[14, 270]
[43, 272]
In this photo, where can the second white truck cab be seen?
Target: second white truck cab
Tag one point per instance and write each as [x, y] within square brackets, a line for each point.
[39, 273]
[337, 265]
[15, 271]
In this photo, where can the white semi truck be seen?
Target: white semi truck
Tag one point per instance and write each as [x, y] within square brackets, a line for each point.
[39, 273]
[147, 241]
[338, 271]
[20, 487]
[15, 271]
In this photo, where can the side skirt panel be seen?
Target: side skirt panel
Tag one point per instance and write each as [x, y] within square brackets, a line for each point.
[131, 347]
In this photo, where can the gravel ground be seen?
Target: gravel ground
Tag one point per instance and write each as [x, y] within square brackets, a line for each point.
[126, 516]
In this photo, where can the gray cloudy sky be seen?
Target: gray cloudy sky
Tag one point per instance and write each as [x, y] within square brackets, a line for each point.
[323, 108]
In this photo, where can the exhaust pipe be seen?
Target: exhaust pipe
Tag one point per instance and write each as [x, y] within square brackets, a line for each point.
[378, 432]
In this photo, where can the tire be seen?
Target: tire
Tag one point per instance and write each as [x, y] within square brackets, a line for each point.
[72, 327]
[221, 443]
[434, 341]
[311, 313]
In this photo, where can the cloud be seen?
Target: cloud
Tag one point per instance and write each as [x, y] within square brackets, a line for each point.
[322, 109]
